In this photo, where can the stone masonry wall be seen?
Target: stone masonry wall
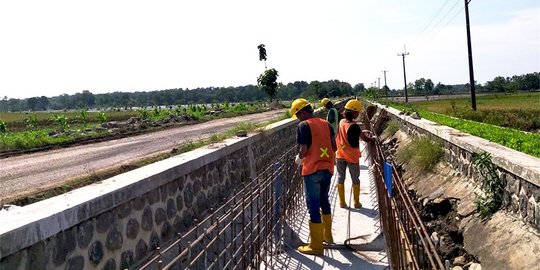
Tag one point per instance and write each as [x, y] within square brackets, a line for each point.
[519, 172]
[117, 223]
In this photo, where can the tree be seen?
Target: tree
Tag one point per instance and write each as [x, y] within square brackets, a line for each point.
[43, 103]
[87, 99]
[428, 87]
[439, 88]
[32, 104]
[262, 54]
[531, 81]
[419, 86]
[372, 93]
[316, 88]
[497, 85]
[386, 90]
[3, 104]
[359, 88]
[267, 81]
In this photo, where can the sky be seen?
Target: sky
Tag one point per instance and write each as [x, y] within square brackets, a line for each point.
[63, 47]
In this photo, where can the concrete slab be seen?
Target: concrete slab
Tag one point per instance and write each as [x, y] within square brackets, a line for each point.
[359, 227]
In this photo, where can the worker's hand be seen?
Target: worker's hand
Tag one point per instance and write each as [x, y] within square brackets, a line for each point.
[298, 160]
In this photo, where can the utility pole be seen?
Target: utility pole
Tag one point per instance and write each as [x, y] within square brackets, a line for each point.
[404, 73]
[379, 82]
[471, 70]
[385, 89]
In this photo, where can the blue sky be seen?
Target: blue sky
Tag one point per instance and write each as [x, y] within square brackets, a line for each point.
[55, 47]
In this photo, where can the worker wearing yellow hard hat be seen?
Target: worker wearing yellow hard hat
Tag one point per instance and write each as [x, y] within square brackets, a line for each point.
[348, 151]
[315, 138]
[332, 115]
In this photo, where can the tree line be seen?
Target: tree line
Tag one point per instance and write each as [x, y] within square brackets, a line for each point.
[525, 82]
[178, 96]
[289, 91]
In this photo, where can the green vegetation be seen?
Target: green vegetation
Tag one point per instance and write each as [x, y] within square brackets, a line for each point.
[267, 81]
[391, 128]
[178, 96]
[421, 154]
[62, 122]
[528, 143]
[490, 200]
[519, 111]
[425, 87]
[3, 128]
[84, 116]
[32, 122]
[102, 117]
[26, 135]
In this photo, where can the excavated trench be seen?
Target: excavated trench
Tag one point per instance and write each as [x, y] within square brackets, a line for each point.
[440, 217]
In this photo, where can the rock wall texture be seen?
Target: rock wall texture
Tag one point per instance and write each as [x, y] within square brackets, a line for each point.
[520, 173]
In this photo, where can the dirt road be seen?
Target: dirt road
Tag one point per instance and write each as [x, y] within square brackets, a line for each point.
[32, 172]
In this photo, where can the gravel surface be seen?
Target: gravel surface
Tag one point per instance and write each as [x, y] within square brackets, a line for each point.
[26, 174]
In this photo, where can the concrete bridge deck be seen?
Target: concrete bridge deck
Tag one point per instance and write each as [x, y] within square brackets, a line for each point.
[346, 223]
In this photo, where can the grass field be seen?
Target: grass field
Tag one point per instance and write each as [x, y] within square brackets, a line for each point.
[519, 111]
[16, 121]
[22, 131]
[521, 101]
[500, 119]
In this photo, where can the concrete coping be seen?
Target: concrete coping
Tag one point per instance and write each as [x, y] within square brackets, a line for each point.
[25, 226]
[518, 163]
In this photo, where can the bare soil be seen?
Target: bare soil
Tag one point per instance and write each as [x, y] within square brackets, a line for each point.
[26, 174]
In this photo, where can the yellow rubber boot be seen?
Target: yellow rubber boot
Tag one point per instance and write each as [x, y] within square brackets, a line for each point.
[341, 193]
[327, 224]
[315, 247]
[356, 195]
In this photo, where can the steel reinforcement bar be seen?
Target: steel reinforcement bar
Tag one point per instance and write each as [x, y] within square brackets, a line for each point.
[408, 243]
[245, 231]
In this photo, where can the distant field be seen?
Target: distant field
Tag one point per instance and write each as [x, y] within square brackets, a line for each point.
[521, 101]
[494, 109]
[15, 121]
[519, 111]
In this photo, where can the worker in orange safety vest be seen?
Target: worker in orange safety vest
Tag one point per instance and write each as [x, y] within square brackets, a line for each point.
[348, 152]
[315, 138]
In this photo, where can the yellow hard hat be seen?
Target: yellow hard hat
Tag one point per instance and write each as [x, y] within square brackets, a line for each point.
[297, 105]
[353, 105]
[324, 101]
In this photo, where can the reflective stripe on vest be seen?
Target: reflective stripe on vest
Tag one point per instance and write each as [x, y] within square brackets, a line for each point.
[320, 155]
[345, 150]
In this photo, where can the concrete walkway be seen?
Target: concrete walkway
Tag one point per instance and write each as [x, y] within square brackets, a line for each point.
[347, 223]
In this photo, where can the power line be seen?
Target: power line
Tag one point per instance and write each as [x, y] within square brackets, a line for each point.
[443, 17]
[453, 17]
[432, 18]
[441, 20]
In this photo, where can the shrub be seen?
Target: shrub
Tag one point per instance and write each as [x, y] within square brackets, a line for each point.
[102, 117]
[421, 154]
[61, 120]
[391, 128]
[490, 200]
[3, 127]
[31, 121]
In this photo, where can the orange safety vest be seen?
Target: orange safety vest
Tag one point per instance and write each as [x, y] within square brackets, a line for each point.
[320, 155]
[345, 150]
